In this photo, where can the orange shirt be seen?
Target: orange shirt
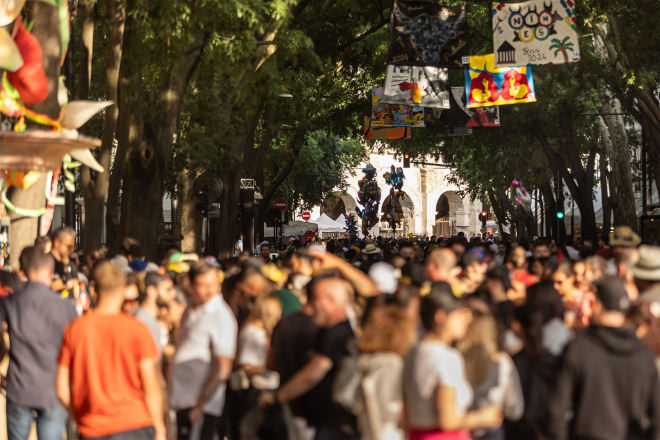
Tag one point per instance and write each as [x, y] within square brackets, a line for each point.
[103, 353]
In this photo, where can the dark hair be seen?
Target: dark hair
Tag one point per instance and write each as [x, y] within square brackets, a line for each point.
[61, 232]
[154, 279]
[198, 269]
[531, 320]
[545, 297]
[437, 299]
[135, 251]
[40, 242]
[33, 259]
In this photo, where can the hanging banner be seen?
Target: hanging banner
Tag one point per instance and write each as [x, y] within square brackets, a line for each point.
[427, 34]
[536, 32]
[487, 85]
[461, 116]
[394, 115]
[440, 123]
[372, 133]
[415, 85]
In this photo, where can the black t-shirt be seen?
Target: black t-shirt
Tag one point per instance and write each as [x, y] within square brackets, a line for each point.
[65, 271]
[293, 340]
[333, 343]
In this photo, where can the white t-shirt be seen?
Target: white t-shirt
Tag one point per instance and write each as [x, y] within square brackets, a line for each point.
[429, 365]
[252, 346]
[206, 331]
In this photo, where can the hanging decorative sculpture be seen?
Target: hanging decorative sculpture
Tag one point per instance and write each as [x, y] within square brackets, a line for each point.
[369, 198]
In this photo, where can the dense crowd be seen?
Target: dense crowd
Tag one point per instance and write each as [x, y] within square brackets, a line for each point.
[424, 338]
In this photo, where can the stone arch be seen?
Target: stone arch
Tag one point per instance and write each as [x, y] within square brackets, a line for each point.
[447, 207]
[339, 203]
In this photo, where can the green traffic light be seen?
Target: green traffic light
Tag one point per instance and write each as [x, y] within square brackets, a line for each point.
[560, 215]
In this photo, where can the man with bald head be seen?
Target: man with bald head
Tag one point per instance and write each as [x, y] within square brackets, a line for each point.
[331, 296]
[439, 265]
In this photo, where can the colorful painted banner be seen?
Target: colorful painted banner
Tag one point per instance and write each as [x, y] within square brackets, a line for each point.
[416, 85]
[427, 34]
[459, 115]
[394, 115]
[536, 32]
[373, 133]
[487, 85]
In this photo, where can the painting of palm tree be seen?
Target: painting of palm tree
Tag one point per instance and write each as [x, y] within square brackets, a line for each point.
[562, 46]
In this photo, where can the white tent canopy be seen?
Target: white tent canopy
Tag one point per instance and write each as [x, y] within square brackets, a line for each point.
[341, 222]
[327, 225]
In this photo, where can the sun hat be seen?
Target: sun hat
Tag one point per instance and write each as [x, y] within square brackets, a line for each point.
[371, 249]
[648, 266]
[624, 236]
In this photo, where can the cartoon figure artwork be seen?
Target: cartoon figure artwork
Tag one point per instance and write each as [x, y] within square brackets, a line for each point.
[394, 115]
[393, 214]
[413, 85]
[369, 198]
[351, 225]
[535, 32]
[427, 34]
[521, 196]
[373, 133]
[460, 116]
[487, 85]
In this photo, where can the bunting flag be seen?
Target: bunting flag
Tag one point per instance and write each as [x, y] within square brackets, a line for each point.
[427, 34]
[487, 85]
[536, 32]
[413, 85]
[394, 115]
[372, 133]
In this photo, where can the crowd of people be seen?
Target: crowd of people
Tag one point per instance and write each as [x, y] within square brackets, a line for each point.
[380, 339]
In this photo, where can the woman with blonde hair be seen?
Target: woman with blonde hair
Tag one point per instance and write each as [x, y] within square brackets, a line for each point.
[251, 377]
[491, 373]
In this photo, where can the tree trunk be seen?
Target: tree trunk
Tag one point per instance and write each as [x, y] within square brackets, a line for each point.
[605, 185]
[549, 208]
[615, 140]
[191, 218]
[149, 150]
[46, 28]
[95, 186]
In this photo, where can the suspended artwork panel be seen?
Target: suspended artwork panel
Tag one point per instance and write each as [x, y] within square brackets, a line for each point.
[416, 85]
[536, 32]
[394, 115]
[427, 34]
[487, 85]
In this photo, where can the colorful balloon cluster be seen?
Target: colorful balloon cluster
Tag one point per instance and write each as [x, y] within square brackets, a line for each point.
[395, 178]
[369, 198]
[521, 196]
[351, 225]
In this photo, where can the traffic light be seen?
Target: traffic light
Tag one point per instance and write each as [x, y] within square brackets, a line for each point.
[406, 160]
[483, 217]
[560, 215]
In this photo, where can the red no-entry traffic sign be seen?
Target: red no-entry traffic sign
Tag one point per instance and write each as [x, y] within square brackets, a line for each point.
[306, 215]
[280, 204]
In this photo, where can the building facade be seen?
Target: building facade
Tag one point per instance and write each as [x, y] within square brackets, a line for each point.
[431, 205]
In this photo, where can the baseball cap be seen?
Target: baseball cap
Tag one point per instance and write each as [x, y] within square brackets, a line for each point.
[611, 292]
